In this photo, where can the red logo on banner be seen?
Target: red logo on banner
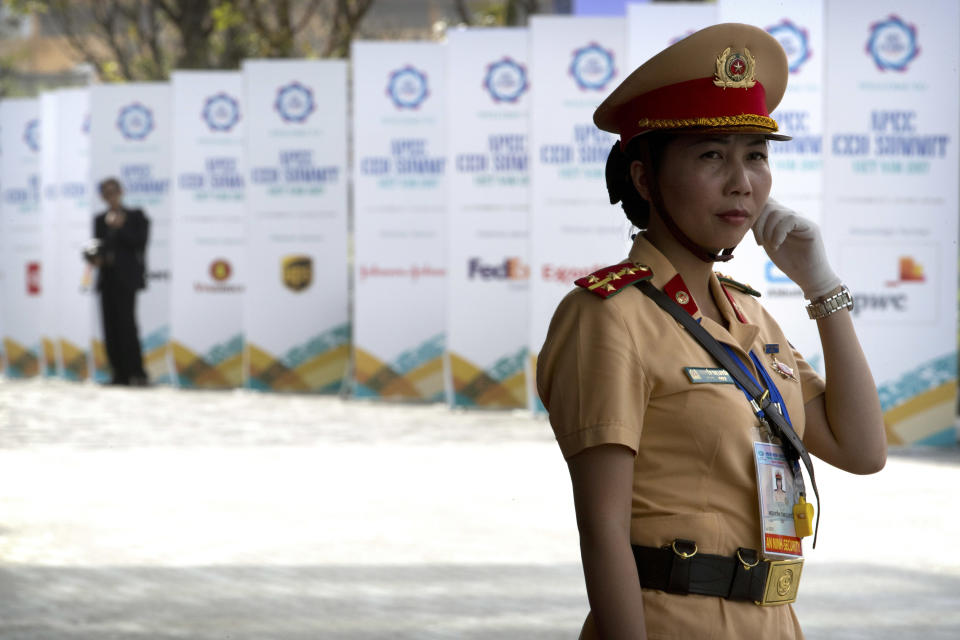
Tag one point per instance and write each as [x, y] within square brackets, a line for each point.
[33, 278]
[910, 271]
[220, 270]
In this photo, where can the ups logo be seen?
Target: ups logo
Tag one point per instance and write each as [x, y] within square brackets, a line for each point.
[297, 272]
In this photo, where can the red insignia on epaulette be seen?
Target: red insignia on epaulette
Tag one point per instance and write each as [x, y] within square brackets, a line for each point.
[734, 304]
[611, 280]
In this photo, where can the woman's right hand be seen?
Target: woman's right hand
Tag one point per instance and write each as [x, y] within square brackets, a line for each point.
[795, 245]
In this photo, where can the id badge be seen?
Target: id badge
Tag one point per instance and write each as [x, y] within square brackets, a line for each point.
[778, 493]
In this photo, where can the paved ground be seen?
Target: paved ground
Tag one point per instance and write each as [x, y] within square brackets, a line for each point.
[156, 514]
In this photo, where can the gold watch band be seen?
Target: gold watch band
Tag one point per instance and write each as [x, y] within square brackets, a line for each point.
[823, 307]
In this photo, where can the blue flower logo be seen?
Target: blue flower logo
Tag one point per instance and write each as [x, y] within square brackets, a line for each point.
[893, 44]
[592, 67]
[135, 121]
[795, 42]
[407, 88]
[506, 80]
[294, 102]
[31, 135]
[221, 112]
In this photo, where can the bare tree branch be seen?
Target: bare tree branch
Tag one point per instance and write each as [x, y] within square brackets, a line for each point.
[64, 22]
[149, 31]
[143, 39]
[169, 9]
[105, 15]
[312, 7]
[464, 12]
[347, 17]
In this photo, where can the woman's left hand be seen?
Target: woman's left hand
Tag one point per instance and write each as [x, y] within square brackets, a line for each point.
[794, 244]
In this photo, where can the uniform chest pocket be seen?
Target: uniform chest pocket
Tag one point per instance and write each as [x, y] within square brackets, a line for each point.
[692, 408]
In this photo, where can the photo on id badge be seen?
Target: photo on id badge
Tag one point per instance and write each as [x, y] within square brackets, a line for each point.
[777, 496]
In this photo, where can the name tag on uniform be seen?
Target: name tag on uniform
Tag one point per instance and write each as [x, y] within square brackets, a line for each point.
[707, 375]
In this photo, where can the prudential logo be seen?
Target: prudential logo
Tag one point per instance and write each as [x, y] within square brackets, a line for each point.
[509, 269]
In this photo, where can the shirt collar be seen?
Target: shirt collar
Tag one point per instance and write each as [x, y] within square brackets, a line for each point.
[665, 277]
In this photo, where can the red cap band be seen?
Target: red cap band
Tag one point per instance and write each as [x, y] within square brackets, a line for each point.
[696, 103]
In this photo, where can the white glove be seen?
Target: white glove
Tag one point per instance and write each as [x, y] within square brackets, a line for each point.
[795, 246]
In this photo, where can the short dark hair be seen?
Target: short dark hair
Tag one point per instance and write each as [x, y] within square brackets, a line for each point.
[648, 149]
[111, 181]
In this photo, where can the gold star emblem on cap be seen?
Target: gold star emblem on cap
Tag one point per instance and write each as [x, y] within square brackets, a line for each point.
[735, 70]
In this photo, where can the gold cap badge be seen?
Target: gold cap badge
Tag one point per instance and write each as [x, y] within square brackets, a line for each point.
[735, 70]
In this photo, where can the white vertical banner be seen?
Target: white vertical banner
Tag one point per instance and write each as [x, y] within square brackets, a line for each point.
[132, 139]
[796, 164]
[651, 28]
[295, 306]
[3, 285]
[21, 238]
[74, 232]
[574, 230]
[400, 214]
[208, 229]
[891, 202]
[488, 88]
[49, 318]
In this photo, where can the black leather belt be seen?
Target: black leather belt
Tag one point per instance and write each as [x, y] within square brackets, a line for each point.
[680, 568]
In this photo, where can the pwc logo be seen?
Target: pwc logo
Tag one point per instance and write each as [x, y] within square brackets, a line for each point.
[910, 271]
[509, 269]
[909, 274]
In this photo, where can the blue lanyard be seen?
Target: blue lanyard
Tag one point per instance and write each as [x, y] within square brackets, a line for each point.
[775, 396]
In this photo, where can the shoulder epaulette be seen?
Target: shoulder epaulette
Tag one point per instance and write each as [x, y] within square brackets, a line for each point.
[611, 280]
[739, 286]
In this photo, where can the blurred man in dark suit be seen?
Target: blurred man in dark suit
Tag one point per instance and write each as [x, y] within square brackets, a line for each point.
[121, 236]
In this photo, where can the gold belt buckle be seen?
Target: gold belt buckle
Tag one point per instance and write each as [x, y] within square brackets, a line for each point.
[783, 579]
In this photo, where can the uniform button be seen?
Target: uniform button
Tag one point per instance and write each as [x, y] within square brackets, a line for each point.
[682, 297]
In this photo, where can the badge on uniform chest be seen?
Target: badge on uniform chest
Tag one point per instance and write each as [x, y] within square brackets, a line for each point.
[783, 369]
[779, 488]
[708, 375]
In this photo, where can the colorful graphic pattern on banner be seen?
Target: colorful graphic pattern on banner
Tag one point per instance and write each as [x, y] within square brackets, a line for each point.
[574, 64]
[400, 213]
[132, 137]
[295, 305]
[797, 164]
[208, 229]
[49, 318]
[891, 202]
[21, 236]
[74, 231]
[488, 88]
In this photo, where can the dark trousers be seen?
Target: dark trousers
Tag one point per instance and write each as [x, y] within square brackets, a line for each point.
[120, 333]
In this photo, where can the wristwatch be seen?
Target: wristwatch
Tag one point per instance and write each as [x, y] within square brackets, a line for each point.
[823, 307]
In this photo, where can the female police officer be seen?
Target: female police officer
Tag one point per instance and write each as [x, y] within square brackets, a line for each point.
[670, 455]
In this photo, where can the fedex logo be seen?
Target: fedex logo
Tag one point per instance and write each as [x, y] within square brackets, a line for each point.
[509, 269]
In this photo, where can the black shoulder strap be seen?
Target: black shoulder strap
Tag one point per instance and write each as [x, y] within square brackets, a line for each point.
[792, 444]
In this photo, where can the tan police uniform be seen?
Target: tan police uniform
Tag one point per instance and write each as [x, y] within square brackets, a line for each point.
[614, 371]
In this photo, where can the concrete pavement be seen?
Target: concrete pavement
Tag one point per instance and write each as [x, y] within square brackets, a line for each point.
[156, 513]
